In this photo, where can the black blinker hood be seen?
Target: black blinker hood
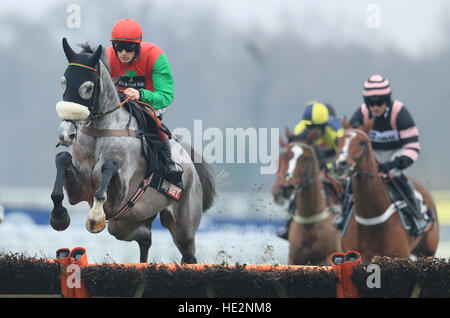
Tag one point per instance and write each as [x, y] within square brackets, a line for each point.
[82, 67]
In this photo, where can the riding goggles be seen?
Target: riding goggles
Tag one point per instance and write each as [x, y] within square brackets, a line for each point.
[127, 46]
[377, 101]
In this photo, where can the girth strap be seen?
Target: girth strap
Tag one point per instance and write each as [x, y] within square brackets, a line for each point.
[136, 196]
[94, 132]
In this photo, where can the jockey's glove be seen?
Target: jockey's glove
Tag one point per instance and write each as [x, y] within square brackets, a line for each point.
[400, 163]
[386, 166]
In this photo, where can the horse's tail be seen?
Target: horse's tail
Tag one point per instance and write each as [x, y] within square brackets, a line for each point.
[204, 172]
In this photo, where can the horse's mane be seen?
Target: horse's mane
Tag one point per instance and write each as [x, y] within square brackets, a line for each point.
[87, 48]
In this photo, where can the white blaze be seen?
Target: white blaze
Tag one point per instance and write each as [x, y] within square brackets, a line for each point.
[297, 151]
[344, 153]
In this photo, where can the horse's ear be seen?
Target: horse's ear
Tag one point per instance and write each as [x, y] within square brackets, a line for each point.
[283, 143]
[345, 123]
[67, 50]
[93, 60]
[288, 133]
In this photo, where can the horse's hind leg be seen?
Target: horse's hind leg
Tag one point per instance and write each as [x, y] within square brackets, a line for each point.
[145, 240]
[183, 233]
[59, 218]
[429, 242]
[96, 220]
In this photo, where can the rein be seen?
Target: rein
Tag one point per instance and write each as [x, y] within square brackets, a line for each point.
[306, 182]
[95, 132]
[356, 173]
[148, 108]
[101, 114]
[357, 161]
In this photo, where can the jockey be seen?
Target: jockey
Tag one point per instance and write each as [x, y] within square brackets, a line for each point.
[323, 116]
[141, 70]
[394, 137]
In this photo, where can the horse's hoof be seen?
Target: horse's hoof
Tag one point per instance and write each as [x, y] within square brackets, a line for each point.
[60, 224]
[94, 226]
[189, 260]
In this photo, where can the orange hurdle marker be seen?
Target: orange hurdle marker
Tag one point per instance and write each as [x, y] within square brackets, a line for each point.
[65, 258]
[343, 265]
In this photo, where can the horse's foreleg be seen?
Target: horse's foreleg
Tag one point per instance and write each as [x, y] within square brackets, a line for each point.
[59, 218]
[96, 220]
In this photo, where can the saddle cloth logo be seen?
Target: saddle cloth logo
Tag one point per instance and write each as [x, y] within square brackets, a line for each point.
[170, 189]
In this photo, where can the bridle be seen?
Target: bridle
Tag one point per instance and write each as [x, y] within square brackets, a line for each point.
[357, 173]
[357, 160]
[95, 115]
[304, 180]
[96, 92]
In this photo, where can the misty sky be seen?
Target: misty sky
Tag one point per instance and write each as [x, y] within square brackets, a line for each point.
[412, 26]
[329, 66]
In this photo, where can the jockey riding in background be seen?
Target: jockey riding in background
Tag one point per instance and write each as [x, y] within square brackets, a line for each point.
[142, 72]
[322, 116]
[395, 140]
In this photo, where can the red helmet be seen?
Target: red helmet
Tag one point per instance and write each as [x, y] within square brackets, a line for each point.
[126, 30]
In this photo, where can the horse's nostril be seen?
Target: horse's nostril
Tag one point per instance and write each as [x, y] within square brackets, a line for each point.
[72, 136]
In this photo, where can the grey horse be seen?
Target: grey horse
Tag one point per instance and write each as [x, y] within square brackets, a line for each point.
[107, 171]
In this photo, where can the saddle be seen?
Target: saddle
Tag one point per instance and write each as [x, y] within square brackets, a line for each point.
[409, 222]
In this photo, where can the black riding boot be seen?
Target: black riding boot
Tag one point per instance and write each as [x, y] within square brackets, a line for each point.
[283, 230]
[408, 192]
[412, 209]
[174, 171]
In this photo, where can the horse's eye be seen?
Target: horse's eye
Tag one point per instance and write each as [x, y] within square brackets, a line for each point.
[63, 83]
[86, 89]
[362, 143]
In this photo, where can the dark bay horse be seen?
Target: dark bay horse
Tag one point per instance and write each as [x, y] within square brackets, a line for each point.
[107, 171]
[312, 237]
[374, 228]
